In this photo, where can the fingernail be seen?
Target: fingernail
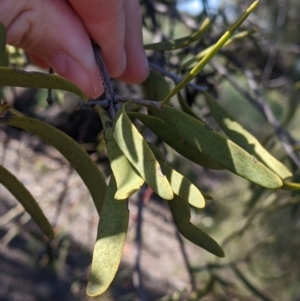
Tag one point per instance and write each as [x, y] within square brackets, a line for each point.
[88, 82]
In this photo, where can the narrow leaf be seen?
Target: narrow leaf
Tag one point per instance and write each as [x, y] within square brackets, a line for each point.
[172, 138]
[111, 237]
[184, 106]
[218, 148]
[71, 150]
[180, 185]
[155, 87]
[137, 151]
[20, 78]
[127, 178]
[20, 192]
[181, 214]
[244, 139]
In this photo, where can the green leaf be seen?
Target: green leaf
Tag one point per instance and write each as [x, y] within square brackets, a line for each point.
[180, 185]
[218, 148]
[155, 87]
[137, 151]
[20, 192]
[182, 42]
[244, 139]
[71, 150]
[184, 106]
[20, 78]
[171, 137]
[111, 237]
[181, 214]
[127, 178]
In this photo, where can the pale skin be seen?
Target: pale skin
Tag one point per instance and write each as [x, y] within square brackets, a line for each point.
[57, 34]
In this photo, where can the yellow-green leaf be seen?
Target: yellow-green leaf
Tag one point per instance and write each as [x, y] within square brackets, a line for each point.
[180, 185]
[127, 178]
[178, 143]
[137, 151]
[111, 237]
[218, 148]
[244, 139]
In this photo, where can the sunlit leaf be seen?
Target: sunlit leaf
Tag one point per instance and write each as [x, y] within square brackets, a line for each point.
[180, 185]
[137, 151]
[111, 237]
[244, 139]
[127, 178]
[218, 148]
[171, 137]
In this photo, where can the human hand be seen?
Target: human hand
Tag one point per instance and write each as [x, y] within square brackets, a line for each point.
[57, 33]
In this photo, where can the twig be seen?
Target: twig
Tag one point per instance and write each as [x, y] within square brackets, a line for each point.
[109, 91]
[273, 50]
[111, 101]
[91, 103]
[217, 266]
[62, 196]
[11, 214]
[137, 274]
[186, 261]
[138, 101]
[249, 285]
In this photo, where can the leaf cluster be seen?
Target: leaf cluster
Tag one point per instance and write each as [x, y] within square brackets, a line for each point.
[135, 161]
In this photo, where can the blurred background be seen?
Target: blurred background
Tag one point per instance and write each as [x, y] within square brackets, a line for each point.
[256, 78]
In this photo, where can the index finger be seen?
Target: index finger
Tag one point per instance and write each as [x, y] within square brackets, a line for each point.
[105, 22]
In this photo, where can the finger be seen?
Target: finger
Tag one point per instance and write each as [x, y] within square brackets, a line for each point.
[105, 23]
[51, 32]
[39, 62]
[137, 65]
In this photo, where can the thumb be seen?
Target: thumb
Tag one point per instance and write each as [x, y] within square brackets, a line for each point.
[52, 33]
